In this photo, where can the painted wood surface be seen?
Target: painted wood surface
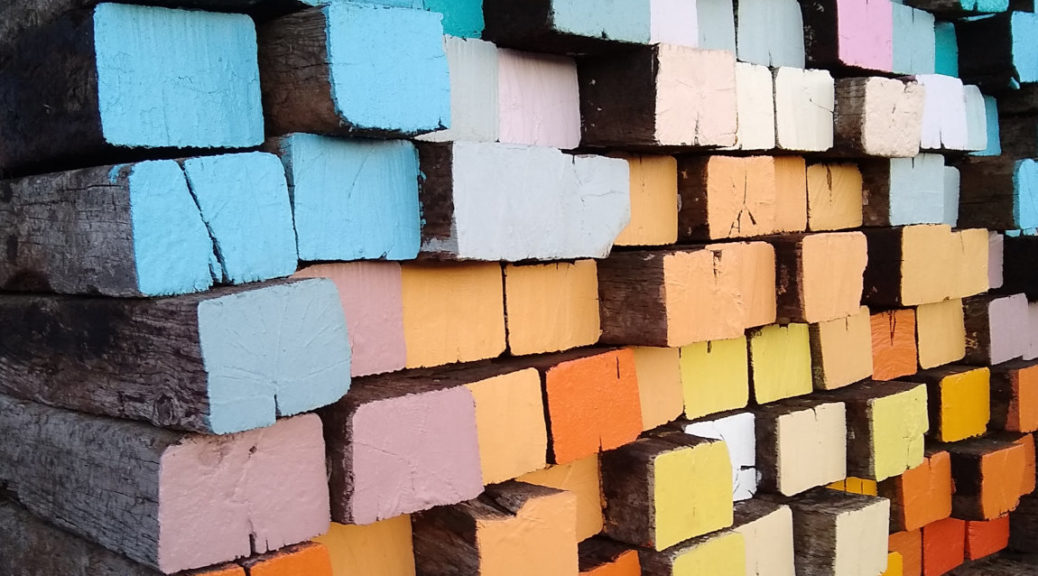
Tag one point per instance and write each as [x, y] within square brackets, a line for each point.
[1002, 64]
[806, 266]
[904, 191]
[842, 351]
[721, 553]
[715, 376]
[767, 529]
[583, 479]
[944, 546]
[380, 548]
[834, 196]
[849, 33]
[958, 400]
[538, 100]
[567, 26]
[801, 444]
[770, 33]
[886, 422]
[921, 495]
[986, 537]
[755, 94]
[660, 387]
[1014, 396]
[878, 116]
[893, 344]
[987, 473]
[910, 546]
[997, 328]
[915, 42]
[603, 557]
[738, 433]
[513, 438]
[804, 105]
[780, 362]
[940, 333]
[474, 91]
[551, 307]
[654, 202]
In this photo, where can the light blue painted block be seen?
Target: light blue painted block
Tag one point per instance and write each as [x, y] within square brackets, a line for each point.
[171, 245]
[273, 351]
[620, 20]
[388, 68]
[984, 6]
[1025, 45]
[1025, 194]
[177, 78]
[917, 190]
[243, 199]
[914, 40]
[353, 199]
[462, 18]
[947, 50]
[716, 24]
[994, 137]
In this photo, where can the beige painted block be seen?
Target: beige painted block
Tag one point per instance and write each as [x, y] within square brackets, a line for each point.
[849, 533]
[551, 307]
[940, 333]
[879, 117]
[768, 530]
[654, 202]
[820, 275]
[659, 385]
[801, 444]
[804, 104]
[841, 351]
[834, 196]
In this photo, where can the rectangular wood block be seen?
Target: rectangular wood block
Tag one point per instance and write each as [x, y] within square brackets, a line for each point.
[767, 529]
[849, 33]
[958, 400]
[1030, 476]
[886, 422]
[755, 100]
[921, 495]
[960, 7]
[674, 22]
[841, 351]
[944, 546]
[660, 388]
[380, 548]
[999, 192]
[551, 307]
[1014, 396]
[997, 328]
[603, 557]
[834, 197]
[1002, 64]
[452, 313]
[538, 100]
[721, 554]
[804, 106]
[738, 197]
[801, 444]
[904, 191]
[780, 362]
[352, 199]
[893, 344]
[660, 491]
[654, 202]
[310, 559]
[387, 447]
[488, 201]
[678, 297]
[513, 437]
[473, 67]
[856, 485]
[989, 477]
[940, 333]
[840, 533]
[654, 96]
[737, 430]
[1019, 271]
[996, 247]
[582, 478]
[977, 119]
[944, 113]
[820, 275]
[770, 33]
[910, 546]
[566, 26]
[715, 376]
[354, 68]
[915, 41]
[159, 497]
[511, 529]
[877, 116]
[986, 537]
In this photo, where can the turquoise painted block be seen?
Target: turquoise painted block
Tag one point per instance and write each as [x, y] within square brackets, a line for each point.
[353, 199]
[243, 200]
[620, 20]
[388, 67]
[1025, 45]
[994, 137]
[171, 245]
[914, 40]
[984, 6]
[177, 78]
[947, 50]
[462, 18]
[1025, 194]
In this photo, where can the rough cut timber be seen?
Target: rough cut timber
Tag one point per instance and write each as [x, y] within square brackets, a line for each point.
[849, 34]
[538, 100]
[582, 478]
[1019, 270]
[352, 199]
[801, 443]
[958, 401]
[474, 85]
[944, 113]
[997, 328]
[834, 197]
[654, 202]
[399, 444]
[678, 297]
[1017, 134]
[988, 475]
[350, 68]
[219, 362]
[878, 117]
[910, 546]
[780, 362]
[666, 489]
[839, 533]
[995, 52]
[127, 78]
[893, 344]
[160, 497]
[921, 495]
[380, 548]
[904, 191]
[904, 261]
[485, 201]
[725, 197]
[755, 96]
[551, 307]
[804, 105]
[915, 42]
[654, 96]
[603, 557]
[512, 528]
[719, 554]
[566, 26]
[886, 422]
[738, 433]
[1022, 523]
[770, 33]
[986, 537]
[998, 566]
[999, 193]
[944, 546]
[841, 351]
[660, 388]
[767, 528]
[960, 7]
[819, 275]
[1014, 396]
[940, 331]
[715, 376]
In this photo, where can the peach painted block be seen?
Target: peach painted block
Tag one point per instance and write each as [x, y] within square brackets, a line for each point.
[311, 559]
[513, 438]
[582, 478]
[538, 100]
[383, 548]
[551, 307]
[654, 202]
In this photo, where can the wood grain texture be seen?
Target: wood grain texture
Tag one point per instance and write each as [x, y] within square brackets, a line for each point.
[806, 265]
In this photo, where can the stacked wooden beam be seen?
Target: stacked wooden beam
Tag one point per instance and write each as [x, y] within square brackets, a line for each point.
[491, 287]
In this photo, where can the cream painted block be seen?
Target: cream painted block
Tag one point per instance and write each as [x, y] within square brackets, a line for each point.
[768, 531]
[659, 385]
[841, 351]
[834, 197]
[473, 66]
[674, 22]
[804, 105]
[976, 119]
[849, 533]
[801, 444]
[944, 113]
[714, 376]
[551, 307]
[940, 333]
[538, 99]
[738, 432]
[654, 202]
[755, 94]
[691, 112]
[879, 117]
[780, 362]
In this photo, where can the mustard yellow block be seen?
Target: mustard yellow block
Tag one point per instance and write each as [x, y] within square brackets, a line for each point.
[899, 422]
[513, 439]
[540, 539]
[583, 478]
[659, 385]
[965, 405]
[720, 555]
[714, 376]
[382, 548]
[856, 485]
[551, 307]
[940, 333]
[654, 202]
[452, 313]
[781, 360]
[692, 489]
[895, 565]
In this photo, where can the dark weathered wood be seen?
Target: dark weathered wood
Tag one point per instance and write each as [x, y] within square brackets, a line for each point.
[632, 298]
[1023, 525]
[1018, 134]
[529, 25]
[724, 549]
[986, 52]
[1019, 102]
[618, 98]
[1020, 265]
[990, 195]
[1010, 565]
[597, 552]
[996, 328]
[988, 475]
[1014, 407]
[953, 8]
[437, 199]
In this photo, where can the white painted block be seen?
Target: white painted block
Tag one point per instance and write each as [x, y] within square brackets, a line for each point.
[695, 97]
[474, 97]
[976, 119]
[804, 103]
[770, 33]
[716, 24]
[738, 432]
[917, 190]
[754, 92]
[951, 195]
[944, 113]
[674, 22]
[539, 100]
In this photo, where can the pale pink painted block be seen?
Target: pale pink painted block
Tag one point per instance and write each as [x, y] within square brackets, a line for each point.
[217, 491]
[866, 33]
[371, 298]
[538, 100]
[1008, 328]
